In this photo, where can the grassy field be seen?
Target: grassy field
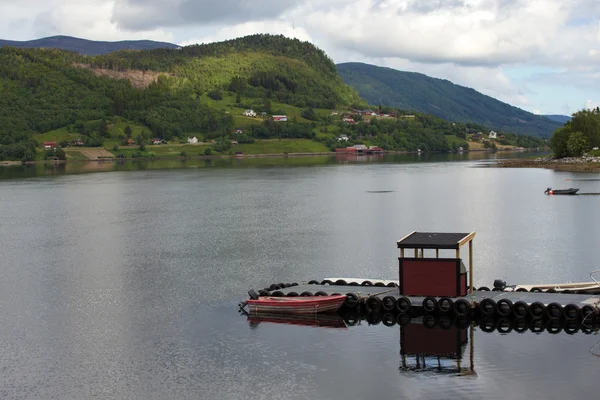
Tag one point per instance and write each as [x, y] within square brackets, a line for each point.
[275, 146]
[116, 127]
[162, 150]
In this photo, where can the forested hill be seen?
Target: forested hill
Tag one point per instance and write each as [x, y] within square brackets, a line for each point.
[86, 47]
[46, 89]
[414, 91]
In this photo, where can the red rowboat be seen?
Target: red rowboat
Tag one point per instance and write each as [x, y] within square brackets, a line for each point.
[296, 305]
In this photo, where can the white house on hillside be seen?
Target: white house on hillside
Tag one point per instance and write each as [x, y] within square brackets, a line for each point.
[193, 140]
[492, 135]
[249, 113]
[343, 137]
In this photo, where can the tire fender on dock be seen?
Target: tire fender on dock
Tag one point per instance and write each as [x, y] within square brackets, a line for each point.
[430, 304]
[388, 303]
[373, 303]
[537, 309]
[504, 307]
[488, 307]
[461, 307]
[445, 304]
[403, 305]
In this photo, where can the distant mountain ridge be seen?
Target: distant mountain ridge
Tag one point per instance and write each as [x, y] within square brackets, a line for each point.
[563, 119]
[87, 47]
[419, 92]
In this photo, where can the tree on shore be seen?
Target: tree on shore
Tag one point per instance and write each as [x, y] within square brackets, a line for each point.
[578, 135]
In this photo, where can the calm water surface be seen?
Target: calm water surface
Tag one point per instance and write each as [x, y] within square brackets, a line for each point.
[125, 285]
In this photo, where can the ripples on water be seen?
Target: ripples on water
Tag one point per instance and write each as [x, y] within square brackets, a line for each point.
[124, 285]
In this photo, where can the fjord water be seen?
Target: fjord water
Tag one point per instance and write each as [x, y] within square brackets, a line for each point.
[125, 284]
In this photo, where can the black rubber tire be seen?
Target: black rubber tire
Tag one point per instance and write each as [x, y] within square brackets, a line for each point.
[483, 289]
[429, 304]
[379, 284]
[572, 312]
[404, 319]
[445, 322]
[520, 325]
[335, 294]
[554, 326]
[567, 291]
[388, 319]
[326, 282]
[462, 307]
[351, 300]
[445, 305]
[504, 325]
[488, 324]
[488, 307]
[253, 294]
[321, 293]
[281, 285]
[351, 318]
[273, 287]
[571, 327]
[373, 304]
[520, 309]
[536, 290]
[313, 282]
[306, 294]
[504, 307]
[392, 284]
[287, 285]
[429, 321]
[366, 283]
[587, 330]
[373, 318]
[403, 305]
[586, 311]
[521, 290]
[536, 325]
[277, 293]
[292, 294]
[388, 303]
[341, 282]
[537, 309]
[294, 284]
[263, 293]
[554, 310]
[353, 284]
[551, 290]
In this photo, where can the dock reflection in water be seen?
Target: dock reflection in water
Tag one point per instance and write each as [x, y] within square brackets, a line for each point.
[432, 344]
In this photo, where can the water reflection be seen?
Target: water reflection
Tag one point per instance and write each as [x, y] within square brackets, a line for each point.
[432, 344]
[80, 167]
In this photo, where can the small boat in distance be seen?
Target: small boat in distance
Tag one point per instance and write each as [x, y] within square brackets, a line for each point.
[561, 191]
[295, 305]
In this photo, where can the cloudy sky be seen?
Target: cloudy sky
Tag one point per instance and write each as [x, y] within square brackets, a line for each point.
[540, 55]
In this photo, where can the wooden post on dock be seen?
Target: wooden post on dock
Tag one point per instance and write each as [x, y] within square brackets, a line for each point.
[471, 266]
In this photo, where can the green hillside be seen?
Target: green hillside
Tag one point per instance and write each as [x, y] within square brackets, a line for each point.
[121, 102]
[414, 91]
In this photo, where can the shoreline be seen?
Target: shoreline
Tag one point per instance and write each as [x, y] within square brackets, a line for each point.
[236, 156]
[568, 164]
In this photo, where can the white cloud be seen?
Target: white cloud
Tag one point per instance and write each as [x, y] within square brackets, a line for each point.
[466, 41]
[592, 104]
[89, 19]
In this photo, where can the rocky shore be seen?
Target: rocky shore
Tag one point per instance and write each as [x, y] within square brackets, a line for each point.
[585, 163]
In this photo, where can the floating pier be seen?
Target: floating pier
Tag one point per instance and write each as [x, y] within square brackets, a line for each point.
[443, 287]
